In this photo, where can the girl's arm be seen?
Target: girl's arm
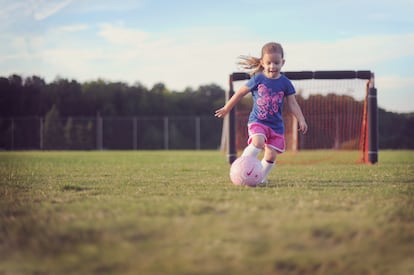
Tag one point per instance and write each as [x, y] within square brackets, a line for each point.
[222, 112]
[297, 112]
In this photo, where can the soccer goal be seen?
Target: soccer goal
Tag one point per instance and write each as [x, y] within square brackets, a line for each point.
[340, 108]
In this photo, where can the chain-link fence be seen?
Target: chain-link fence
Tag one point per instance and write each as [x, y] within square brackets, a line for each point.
[111, 133]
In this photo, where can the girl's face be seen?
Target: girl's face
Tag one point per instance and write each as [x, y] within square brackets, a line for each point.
[272, 63]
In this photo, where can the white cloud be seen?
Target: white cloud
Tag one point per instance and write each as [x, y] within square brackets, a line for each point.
[179, 59]
[72, 28]
[122, 35]
[390, 83]
[395, 93]
[76, 63]
[353, 53]
[87, 6]
[24, 12]
[7, 9]
[44, 8]
[11, 12]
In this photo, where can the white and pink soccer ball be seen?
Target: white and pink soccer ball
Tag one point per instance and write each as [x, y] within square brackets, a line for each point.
[246, 171]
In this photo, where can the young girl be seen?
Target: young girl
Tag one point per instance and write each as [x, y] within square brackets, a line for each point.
[269, 88]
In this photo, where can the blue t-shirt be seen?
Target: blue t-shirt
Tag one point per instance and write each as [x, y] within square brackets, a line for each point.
[268, 95]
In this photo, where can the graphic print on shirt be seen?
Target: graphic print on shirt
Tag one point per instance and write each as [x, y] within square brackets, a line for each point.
[267, 102]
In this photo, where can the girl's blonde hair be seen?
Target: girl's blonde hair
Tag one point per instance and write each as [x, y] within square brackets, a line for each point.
[252, 64]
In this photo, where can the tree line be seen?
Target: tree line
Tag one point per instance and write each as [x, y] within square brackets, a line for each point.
[32, 96]
[64, 98]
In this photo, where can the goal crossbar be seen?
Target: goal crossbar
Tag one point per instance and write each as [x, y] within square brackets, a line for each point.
[302, 75]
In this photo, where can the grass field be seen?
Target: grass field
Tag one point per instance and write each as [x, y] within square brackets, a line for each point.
[175, 212]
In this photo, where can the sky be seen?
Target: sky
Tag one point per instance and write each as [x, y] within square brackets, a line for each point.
[186, 44]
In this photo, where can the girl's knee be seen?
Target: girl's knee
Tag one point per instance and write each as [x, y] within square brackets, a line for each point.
[258, 142]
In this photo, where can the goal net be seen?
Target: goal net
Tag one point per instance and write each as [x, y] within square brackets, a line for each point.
[339, 107]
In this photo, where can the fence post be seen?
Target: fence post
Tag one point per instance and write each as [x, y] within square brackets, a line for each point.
[99, 131]
[166, 134]
[12, 133]
[294, 134]
[41, 130]
[134, 132]
[197, 132]
[337, 133]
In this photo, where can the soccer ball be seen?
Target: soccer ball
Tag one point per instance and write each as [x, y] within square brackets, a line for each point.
[246, 171]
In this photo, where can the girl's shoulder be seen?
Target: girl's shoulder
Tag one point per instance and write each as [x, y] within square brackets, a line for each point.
[258, 78]
[283, 77]
[254, 80]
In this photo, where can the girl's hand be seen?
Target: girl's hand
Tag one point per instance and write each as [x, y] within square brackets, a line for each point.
[222, 112]
[303, 127]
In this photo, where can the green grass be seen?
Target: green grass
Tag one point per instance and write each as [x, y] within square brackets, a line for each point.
[175, 212]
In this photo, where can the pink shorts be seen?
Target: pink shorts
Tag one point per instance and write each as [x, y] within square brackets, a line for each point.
[272, 139]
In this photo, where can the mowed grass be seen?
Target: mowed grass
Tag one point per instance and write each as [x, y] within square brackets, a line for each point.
[176, 212]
